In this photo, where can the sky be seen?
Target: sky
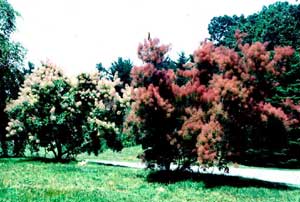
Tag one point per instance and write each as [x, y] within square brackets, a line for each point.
[78, 34]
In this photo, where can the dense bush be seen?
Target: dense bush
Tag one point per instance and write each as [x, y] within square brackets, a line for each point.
[44, 113]
[103, 110]
[219, 112]
[65, 117]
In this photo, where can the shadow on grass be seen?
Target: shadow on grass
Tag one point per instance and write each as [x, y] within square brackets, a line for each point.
[45, 160]
[211, 181]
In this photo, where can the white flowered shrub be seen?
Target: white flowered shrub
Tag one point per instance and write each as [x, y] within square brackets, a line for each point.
[66, 116]
[45, 114]
[104, 109]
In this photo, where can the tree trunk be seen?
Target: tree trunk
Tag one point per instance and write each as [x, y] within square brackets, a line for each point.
[59, 151]
[3, 120]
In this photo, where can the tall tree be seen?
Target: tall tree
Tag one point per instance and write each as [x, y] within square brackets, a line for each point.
[277, 24]
[221, 28]
[182, 60]
[11, 59]
[121, 67]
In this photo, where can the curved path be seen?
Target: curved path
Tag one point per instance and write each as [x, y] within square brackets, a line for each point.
[289, 177]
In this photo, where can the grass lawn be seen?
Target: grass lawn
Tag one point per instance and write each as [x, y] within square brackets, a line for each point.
[24, 179]
[127, 154]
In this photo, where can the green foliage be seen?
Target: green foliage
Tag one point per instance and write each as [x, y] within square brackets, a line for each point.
[181, 61]
[11, 59]
[66, 116]
[289, 80]
[8, 18]
[277, 24]
[100, 68]
[29, 69]
[121, 67]
[221, 29]
[181, 65]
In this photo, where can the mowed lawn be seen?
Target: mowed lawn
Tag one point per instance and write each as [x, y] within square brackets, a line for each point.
[23, 179]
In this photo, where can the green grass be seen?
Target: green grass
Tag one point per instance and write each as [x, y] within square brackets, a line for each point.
[127, 154]
[28, 180]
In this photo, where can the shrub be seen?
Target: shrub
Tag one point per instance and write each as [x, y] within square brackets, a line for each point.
[44, 115]
[220, 109]
[66, 117]
[103, 111]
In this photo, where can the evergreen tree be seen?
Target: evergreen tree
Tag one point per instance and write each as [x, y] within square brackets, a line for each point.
[121, 67]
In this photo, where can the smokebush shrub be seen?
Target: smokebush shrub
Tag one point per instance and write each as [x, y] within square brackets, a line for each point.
[65, 116]
[103, 111]
[219, 113]
[44, 115]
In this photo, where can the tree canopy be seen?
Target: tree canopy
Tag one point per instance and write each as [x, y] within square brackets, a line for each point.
[11, 59]
[277, 24]
[121, 66]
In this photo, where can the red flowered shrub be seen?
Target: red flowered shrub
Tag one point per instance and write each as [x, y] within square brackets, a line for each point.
[220, 113]
[151, 51]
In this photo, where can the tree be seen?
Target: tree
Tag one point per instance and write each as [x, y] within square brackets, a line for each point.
[11, 61]
[180, 65]
[29, 68]
[280, 26]
[121, 67]
[222, 28]
[66, 116]
[181, 61]
[220, 113]
[277, 24]
[104, 72]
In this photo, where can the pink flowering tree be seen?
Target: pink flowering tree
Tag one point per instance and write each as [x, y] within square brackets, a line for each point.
[214, 115]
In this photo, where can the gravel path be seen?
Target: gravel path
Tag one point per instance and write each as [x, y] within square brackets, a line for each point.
[289, 177]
